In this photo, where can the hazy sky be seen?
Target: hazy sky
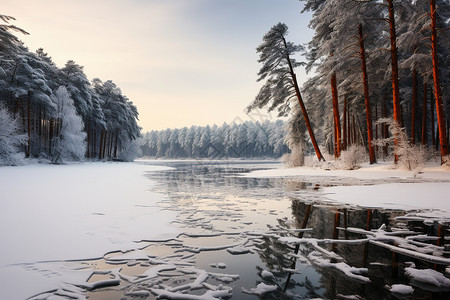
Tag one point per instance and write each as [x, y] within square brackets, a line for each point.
[182, 62]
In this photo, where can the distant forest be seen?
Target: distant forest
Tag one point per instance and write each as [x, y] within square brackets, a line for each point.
[247, 139]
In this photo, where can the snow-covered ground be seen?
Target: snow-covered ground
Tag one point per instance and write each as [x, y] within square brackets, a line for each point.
[378, 186]
[75, 211]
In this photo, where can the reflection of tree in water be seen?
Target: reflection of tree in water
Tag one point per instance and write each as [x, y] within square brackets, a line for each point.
[384, 268]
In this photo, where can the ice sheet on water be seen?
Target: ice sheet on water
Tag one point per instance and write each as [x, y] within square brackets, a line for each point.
[260, 289]
[428, 277]
[401, 289]
[266, 274]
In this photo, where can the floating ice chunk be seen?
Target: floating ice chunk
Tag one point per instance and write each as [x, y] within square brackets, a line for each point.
[351, 272]
[238, 250]
[209, 295]
[347, 297]
[401, 289]
[260, 289]
[428, 277]
[293, 271]
[266, 274]
[154, 272]
[100, 284]
[219, 265]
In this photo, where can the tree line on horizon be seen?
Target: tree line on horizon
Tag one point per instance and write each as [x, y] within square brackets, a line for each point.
[237, 140]
[36, 99]
[370, 60]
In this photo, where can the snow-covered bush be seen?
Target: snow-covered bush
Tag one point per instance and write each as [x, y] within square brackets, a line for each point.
[351, 158]
[70, 144]
[10, 139]
[410, 157]
[294, 159]
[131, 151]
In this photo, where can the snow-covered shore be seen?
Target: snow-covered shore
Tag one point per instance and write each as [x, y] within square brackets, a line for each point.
[383, 186]
[75, 211]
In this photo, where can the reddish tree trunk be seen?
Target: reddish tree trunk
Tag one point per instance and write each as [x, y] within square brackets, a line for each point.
[344, 123]
[394, 65]
[302, 106]
[424, 115]
[437, 86]
[337, 118]
[413, 109]
[366, 97]
[433, 140]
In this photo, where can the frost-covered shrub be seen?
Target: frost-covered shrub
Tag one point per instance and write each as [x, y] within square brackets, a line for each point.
[131, 151]
[70, 144]
[294, 159]
[351, 158]
[410, 157]
[10, 139]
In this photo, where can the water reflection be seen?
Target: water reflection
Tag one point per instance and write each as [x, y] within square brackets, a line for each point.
[219, 211]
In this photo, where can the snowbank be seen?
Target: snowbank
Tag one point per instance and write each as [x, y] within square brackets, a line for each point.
[77, 211]
[382, 187]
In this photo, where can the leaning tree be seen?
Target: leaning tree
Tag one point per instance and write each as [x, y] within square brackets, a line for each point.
[275, 53]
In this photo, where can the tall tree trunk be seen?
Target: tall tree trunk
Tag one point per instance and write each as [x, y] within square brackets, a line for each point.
[104, 143]
[29, 124]
[354, 129]
[302, 106]
[337, 118]
[50, 137]
[433, 140]
[116, 142]
[413, 108]
[344, 129]
[437, 87]
[376, 128]
[372, 157]
[385, 127]
[349, 128]
[424, 115]
[88, 138]
[394, 65]
[100, 152]
[111, 140]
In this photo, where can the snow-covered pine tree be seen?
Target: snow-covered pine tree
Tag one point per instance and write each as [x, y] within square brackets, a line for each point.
[70, 142]
[275, 53]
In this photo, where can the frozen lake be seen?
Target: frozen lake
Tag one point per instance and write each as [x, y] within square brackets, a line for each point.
[243, 238]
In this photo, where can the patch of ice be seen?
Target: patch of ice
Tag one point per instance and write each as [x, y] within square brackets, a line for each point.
[238, 250]
[428, 277]
[260, 289]
[401, 289]
[266, 274]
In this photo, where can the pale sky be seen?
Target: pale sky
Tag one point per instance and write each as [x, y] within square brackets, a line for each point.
[181, 62]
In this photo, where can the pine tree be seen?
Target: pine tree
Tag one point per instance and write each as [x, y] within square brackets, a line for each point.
[281, 81]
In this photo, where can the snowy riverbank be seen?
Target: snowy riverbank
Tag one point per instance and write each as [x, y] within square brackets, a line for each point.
[378, 186]
[75, 211]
